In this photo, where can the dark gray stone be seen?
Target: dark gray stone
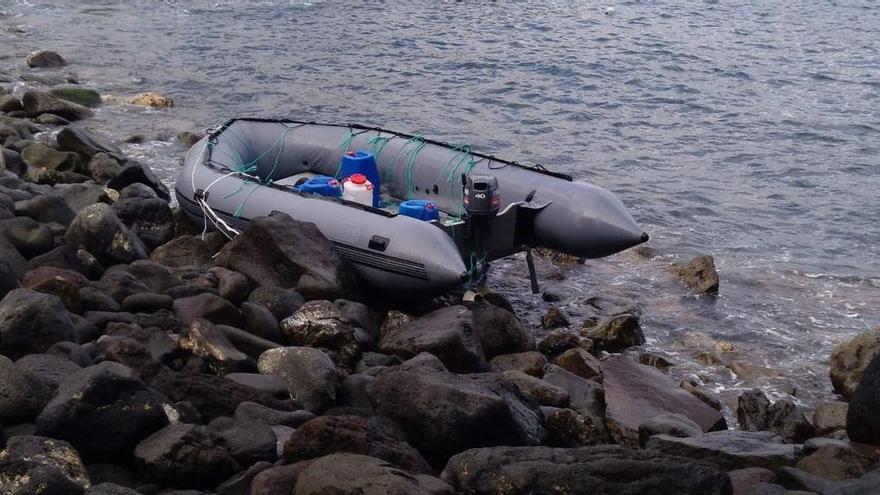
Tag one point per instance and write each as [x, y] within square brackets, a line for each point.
[731, 449]
[30, 322]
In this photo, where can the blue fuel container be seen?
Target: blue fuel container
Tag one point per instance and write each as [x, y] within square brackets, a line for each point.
[421, 209]
[323, 186]
[361, 162]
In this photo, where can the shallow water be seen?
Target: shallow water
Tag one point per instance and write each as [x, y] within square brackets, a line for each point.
[745, 129]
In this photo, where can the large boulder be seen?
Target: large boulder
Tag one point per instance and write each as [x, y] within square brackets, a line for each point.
[248, 442]
[28, 236]
[280, 301]
[86, 143]
[48, 370]
[99, 231]
[499, 331]
[103, 410]
[79, 196]
[699, 274]
[543, 393]
[862, 419]
[731, 449]
[45, 59]
[849, 360]
[22, 395]
[600, 469]
[182, 251]
[323, 324]
[616, 333]
[150, 219]
[447, 333]
[586, 397]
[581, 363]
[46, 208]
[39, 155]
[37, 102]
[30, 322]
[184, 455]
[531, 363]
[81, 95]
[310, 375]
[635, 393]
[209, 307]
[354, 473]
[837, 459]
[278, 251]
[568, 428]
[755, 413]
[830, 417]
[443, 413]
[375, 436]
[65, 284]
[212, 395]
[136, 172]
[31, 465]
[808, 483]
[207, 342]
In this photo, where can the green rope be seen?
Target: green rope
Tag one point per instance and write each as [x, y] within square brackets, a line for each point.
[463, 160]
[377, 144]
[475, 265]
[410, 165]
[240, 208]
[346, 141]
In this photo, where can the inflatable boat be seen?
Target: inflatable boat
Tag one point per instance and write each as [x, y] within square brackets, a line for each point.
[470, 208]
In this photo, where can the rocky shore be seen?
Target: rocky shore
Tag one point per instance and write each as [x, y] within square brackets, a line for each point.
[139, 356]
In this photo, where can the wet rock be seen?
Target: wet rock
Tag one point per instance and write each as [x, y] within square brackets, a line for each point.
[560, 341]
[321, 324]
[251, 411]
[183, 251]
[837, 459]
[280, 301]
[554, 318]
[616, 333]
[259, 321]
[48, 177]
[208, 306]
[374, 436]
[41, 156]
[744, 479]
[187, 138]
[67, 258]
[581, 363]
[755, 413]
[30, 322]
[801, 480]
[81, 95]
[354, 473]
[600, 469]
[531, 363]
[11, 161]
[48, 371]
[87, 144]
[278, 251]
[29, 237]
[212, 395]
[31, 465]
[37, 103]
[567, 428]
[731, 449]
[635, 393]
[247, 442]
[708, 397]
[830, 417]
[699, 274]
[231, 285]
[46, 209]
[447, 333]
[849, 360]
[158, 278]
[270, 384]
[184, 455]
[51, 119]
[278, 479]
[136, 172]
[499, 331]
[151, 99]
[862, 420]
[103, 167]
[64, 284]
[674, 425]
[97, 230]
[45, 59]
[103, 411]
[443, 413]
[146, 302]
[586, 397]
[148, 218]
[9, 103]
[79, 196]
[247, 343]
[310, 375]
[543, 393]
[204, 340]
[120, 284]
[22, 395]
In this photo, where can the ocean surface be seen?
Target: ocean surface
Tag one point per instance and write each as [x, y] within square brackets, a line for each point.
[744, 129]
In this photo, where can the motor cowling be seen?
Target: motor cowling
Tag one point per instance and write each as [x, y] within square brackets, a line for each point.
[481, 195]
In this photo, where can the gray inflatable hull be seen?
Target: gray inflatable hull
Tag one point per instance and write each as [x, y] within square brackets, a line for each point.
[234, 172]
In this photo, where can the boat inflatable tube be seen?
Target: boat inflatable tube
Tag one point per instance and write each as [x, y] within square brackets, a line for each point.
[245, 169]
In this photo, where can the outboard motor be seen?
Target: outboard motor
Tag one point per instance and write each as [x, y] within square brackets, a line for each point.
[481, 202]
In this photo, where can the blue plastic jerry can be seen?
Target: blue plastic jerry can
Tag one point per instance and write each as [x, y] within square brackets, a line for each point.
[323, 186]
[361, 162]
[421, 209]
